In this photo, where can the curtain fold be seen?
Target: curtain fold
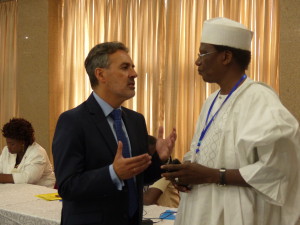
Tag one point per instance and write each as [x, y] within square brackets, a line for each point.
[163, 37]
[8, 97]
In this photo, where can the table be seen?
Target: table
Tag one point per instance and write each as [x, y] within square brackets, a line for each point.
[154, 211]
[20, 206]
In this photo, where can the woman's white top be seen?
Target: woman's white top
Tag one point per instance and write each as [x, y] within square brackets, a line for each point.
[35, 167]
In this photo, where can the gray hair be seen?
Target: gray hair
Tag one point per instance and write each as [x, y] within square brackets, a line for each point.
[98, 58]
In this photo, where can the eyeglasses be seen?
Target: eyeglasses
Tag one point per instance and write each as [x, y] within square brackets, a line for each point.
[205, 54]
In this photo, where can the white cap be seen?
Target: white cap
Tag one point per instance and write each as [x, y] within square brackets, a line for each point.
[226, 32]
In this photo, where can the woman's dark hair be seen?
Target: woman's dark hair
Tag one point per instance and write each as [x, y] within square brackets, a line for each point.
[19, 129]
[242, 57]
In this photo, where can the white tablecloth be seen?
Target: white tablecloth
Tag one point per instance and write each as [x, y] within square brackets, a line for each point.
[20, 206]
[153, 212]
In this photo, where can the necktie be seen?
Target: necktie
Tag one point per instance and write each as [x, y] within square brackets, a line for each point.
[133, 203]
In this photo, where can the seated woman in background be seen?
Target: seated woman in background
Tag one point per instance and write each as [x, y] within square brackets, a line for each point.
[23, 160]
[162, 193]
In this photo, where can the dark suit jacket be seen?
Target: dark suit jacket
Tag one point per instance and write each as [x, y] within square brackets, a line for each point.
[83, 148]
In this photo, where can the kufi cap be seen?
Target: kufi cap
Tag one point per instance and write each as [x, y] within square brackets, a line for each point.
[226, 32]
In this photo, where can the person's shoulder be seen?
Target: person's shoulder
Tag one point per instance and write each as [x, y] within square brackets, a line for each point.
[260, 98]
[161, 184]
[131, 113]
[73, 114]
[76, 109]
[256, 90]
[88, 103]
[260, 87]
[37, 152]
[5, 151]
[36, 148]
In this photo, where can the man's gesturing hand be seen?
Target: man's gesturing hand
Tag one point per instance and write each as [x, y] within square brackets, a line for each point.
[127, 168]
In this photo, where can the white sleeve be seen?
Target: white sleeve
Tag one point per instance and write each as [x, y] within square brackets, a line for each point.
[271, 134]
[274, 173]
[4, 160]
[1, 161]
[161, 184]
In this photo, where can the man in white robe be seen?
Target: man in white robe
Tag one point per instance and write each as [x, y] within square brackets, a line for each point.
[243, 164]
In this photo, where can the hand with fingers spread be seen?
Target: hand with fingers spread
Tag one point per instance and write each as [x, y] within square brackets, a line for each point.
[127, 168]
[164, 147]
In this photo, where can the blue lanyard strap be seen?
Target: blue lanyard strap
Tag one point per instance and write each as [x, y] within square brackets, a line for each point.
[207, 125]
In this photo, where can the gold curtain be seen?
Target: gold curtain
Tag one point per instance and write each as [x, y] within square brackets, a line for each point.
[163, 37]
[8, 99]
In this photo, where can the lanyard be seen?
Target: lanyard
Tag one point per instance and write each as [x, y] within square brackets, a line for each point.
[207, 125]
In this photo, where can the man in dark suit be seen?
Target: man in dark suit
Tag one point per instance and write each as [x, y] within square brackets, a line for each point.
[97, 182]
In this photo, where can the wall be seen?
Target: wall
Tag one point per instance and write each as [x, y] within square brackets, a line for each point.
[32, 66]
[289, 78]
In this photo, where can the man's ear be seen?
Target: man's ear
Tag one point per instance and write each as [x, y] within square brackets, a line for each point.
[99, 74]
[227, 57]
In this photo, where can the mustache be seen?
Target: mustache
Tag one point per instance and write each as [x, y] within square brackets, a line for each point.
[131, 82]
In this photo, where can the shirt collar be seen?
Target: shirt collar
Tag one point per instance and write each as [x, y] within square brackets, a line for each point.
[106, 108]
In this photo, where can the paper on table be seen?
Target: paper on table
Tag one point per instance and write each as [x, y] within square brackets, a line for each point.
[49, 197]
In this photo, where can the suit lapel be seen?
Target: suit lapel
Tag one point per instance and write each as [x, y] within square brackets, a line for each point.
[97, 116]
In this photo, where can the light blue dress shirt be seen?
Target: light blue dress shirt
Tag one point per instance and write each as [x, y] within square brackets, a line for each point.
[107, 109]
